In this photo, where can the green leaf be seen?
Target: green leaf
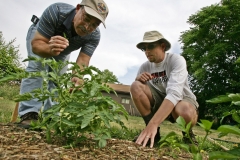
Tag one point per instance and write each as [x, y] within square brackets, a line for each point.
[24, 97]
[48, 136]
[67, 122]
[53, 110]
[221, 155]
[30, 58]
[181, 122]
[236, 103]
[197, 156]
[188, 126]
[53, 75]
[52, 124]
[86, 120]
[90, 110]
[164, 144]
[102, 143]
[193, 149]
[43, 98]
[229, 129]
[236, 117]
[104, 118]
[235, 151]
[206, 125]
[238, 60]
[234, 97]
[164, 138]
[183, 146]
[222, 134]
[84, 90]
[109, 115]
[94, 89]
[8, 78]
[220, 99]
[64, 35]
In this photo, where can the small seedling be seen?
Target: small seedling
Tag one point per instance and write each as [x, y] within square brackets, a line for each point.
[64, 35]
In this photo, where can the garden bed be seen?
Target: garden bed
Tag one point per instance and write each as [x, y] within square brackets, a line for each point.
[17, 143]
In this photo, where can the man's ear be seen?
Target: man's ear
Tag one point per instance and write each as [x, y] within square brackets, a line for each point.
[78, 6]
[163, 45]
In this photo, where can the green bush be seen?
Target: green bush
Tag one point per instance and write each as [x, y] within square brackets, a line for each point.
[9, 91]
[9, 57]
[81, 111]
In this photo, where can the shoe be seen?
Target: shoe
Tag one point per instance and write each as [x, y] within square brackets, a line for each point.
[186, 140]
[27, 118]
[156, 138]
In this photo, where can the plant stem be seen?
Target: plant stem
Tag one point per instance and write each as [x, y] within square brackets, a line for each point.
[204, 139]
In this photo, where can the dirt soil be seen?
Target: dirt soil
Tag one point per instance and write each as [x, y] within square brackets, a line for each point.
[20, 144]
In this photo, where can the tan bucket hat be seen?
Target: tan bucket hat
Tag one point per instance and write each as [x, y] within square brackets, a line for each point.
[153, 36]
[96, 8]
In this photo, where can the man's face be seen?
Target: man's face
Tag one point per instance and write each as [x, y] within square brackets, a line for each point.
[154, 51]
[84, 23]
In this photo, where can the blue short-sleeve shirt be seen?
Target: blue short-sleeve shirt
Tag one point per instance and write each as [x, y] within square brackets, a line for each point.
[57, 20]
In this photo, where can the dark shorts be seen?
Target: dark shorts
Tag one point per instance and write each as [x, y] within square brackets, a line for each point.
[158, 98]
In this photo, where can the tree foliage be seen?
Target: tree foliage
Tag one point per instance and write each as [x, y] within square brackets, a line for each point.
[211, 47]
[9, 57]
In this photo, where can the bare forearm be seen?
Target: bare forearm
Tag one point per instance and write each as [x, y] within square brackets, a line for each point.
[163, 112]
[82, 64]
[83, 60]
[45, 47]
[41, 48]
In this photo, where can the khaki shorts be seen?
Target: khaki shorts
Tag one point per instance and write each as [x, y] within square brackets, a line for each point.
[158, 98]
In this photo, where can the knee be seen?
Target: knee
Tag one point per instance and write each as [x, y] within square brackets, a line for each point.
[188, 113]
[135, 87]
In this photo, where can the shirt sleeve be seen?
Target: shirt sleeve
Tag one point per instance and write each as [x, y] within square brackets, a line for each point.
[48, 21]
[177, 80]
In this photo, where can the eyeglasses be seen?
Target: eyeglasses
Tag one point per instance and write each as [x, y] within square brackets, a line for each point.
[86, 18]
[149, 47]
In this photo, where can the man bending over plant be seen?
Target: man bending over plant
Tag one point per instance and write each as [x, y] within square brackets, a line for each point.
[61, 29]
[161, 88]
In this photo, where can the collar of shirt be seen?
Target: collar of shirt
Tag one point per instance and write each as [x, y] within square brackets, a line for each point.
[68, 22]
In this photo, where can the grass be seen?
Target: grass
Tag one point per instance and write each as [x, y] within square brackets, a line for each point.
[136, 124]
[9, 91]
[6, 109]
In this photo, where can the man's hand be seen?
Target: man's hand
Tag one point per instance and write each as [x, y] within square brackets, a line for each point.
[57, 44]
[77, 82]
[151, 129]
[147, 134]
[144, 77]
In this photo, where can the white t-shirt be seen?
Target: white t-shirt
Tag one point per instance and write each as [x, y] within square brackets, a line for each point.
[170, 77]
